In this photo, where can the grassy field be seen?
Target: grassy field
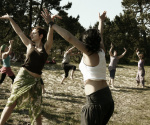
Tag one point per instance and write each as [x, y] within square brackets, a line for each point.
[62, 103]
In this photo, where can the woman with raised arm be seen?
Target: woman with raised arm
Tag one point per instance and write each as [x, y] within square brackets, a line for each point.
[26, 89]
[114, 59]
[6, 69]
[65, 64]
[100, 105]
[141, 71]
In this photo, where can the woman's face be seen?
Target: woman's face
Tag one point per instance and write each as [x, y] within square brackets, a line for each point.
[35, 35]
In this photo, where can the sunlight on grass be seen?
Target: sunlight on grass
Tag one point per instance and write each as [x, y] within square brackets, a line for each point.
[62, 104]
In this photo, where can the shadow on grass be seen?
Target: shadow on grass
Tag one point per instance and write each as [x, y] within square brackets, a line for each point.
[4, 93]
[70, 98]
[129, 89]
[58, 118]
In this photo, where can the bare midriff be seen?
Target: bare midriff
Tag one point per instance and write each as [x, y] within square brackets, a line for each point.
[33, 74]
[92, 86]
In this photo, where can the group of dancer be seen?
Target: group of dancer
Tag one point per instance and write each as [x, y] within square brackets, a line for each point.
[27, 90]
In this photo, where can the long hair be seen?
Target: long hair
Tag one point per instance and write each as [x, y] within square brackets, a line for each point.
[91, 39]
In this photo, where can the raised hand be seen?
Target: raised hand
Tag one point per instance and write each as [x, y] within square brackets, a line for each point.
[112, 45]
[11, 42]
[48, 17]
[103, 16]
[125, 49]
[137, 49]
[5, 17]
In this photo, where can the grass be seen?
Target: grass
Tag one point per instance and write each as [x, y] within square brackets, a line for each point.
[62, 103]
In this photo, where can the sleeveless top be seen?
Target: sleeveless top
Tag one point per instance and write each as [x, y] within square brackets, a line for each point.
[97, 72]
[141, 64]
[6, 61]
[66, 58]
[35, 60]
[113, 62]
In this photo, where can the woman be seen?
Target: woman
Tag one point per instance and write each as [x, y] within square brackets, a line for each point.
[26, 90]
[141, 70]
[65, 64]
[114, 59]
[100, 105]
[6, 69]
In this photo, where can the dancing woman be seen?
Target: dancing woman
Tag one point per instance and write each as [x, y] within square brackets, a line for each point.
[114, 59]
[26, 89]
[141, 70]
[65, 64]
[100, 105]
[6, 69]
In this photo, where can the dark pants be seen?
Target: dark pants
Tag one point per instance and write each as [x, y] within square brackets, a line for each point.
[112, 73]
[99, 108]
[3, 75]
[41, 80]
[67, 67]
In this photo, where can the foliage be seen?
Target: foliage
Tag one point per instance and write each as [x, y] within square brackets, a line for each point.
[27, 15]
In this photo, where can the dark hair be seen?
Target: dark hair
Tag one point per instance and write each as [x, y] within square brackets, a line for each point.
[91, 38]
[142, 55]
[41, 31]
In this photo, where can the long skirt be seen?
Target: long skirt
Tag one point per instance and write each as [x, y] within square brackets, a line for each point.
[27, 93]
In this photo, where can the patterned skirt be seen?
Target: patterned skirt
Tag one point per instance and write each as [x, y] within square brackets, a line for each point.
[27, 92]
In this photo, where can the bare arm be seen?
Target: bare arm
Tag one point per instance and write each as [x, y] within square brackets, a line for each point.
[49, 42]
[122, 54]
[4, 55]
[17, 29]
[110, 51]
[47, 17]
[70, 38]
[137, 52]
[100, 27]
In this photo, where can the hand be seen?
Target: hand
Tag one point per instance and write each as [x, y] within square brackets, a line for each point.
[55, 16]
[103, 16]
[47, 16]
[125, 49]
[11, 42]
[5, 17]
[112, 45]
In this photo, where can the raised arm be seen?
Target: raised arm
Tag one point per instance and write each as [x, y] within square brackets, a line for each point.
[110, 51]
[122, 53]
[68, 36]
[100, 27]
[17, 29]
[47, 18]
[4, 55]
[137, 52]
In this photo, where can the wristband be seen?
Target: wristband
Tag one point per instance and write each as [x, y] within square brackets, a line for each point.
[51, 23]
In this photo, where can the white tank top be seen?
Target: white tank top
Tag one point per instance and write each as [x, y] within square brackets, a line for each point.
[97, 72]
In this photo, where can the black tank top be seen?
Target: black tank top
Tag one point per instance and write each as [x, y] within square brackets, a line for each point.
[35, 60]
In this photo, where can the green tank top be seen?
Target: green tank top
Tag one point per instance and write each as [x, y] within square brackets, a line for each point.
[6, 61]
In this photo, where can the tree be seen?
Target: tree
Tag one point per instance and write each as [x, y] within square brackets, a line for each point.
[141, 10]
[27, 13]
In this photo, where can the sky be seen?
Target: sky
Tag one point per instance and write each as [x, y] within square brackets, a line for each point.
[88, 10]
